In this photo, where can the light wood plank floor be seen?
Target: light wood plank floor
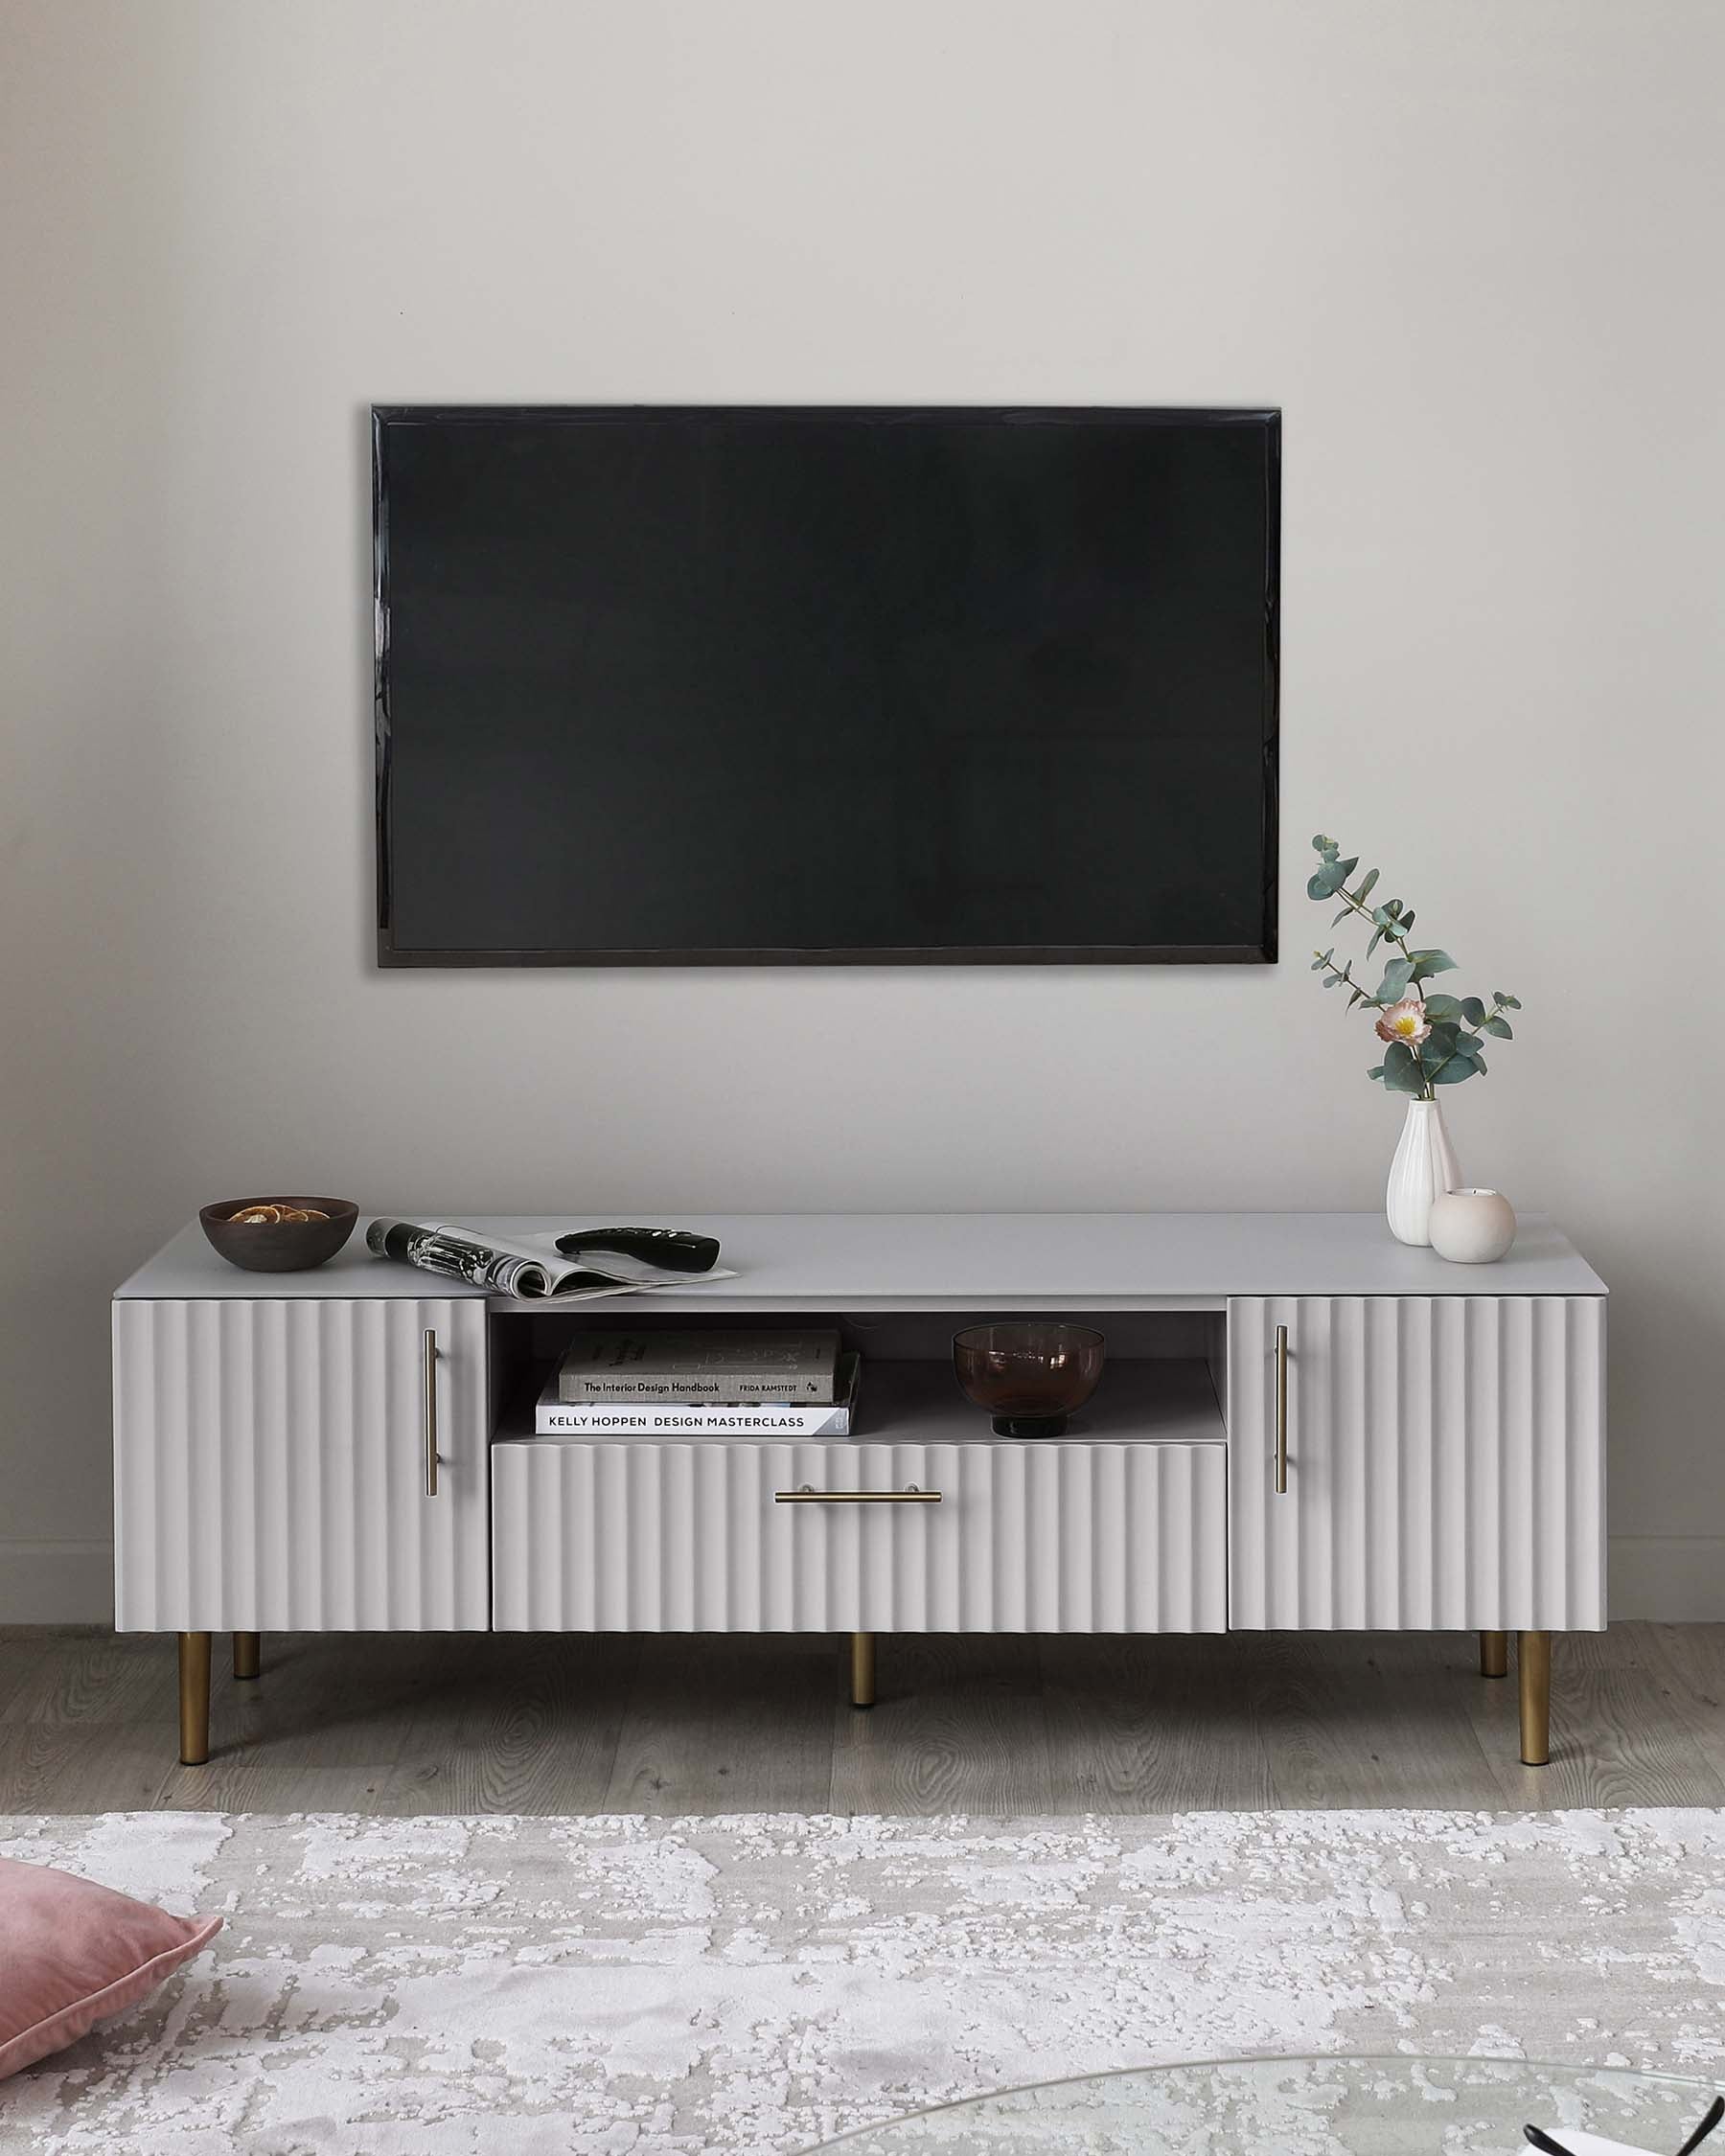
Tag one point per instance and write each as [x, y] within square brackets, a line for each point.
[984, 1726]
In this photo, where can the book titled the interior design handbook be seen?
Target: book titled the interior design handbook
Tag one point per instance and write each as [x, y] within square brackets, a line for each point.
[799, 1419]
[693, 1367]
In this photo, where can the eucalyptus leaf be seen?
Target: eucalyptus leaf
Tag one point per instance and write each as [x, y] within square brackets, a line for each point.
[1329, 876]
[1402, 1073]
[1472, 1010]
[1509, 1002]
[1324, 846]
[1366, 881]
[1455, 1071]
[1321, 958]
[1406, 922]
[1345, 914]
[1499, 1027]
[1445, 1007]
[1396, 976]
[1377, 937]
[1426, 963]
[1376, 1071]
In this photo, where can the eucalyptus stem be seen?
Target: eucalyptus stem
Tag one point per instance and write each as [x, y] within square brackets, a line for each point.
[1398, 937]
[1345, 973]
[1451, 1036]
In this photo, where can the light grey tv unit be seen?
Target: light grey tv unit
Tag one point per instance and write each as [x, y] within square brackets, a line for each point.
[1303, 1425]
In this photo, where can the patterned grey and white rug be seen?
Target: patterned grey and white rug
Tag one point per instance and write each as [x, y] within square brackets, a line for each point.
[593, 1986]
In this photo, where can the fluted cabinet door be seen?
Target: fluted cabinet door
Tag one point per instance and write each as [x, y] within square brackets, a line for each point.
[1445, 1464]
[1057, 1536]
[271, 1472]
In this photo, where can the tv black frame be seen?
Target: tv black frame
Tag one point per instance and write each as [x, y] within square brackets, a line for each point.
[1262, 952]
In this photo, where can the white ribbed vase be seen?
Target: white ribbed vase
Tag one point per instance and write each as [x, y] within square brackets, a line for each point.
[1424, 1165]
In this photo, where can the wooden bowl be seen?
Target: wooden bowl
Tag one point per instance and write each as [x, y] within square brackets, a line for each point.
[288, 1245]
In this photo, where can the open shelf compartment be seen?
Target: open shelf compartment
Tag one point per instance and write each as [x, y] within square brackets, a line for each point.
[1138, 1400]
[1162, 1383]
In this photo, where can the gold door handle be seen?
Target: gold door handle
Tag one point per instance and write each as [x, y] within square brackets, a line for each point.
[428, 1388]
[1281, 1411]
[806, 1494]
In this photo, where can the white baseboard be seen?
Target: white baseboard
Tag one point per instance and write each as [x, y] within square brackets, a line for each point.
[1676, 1579]
[57, 1582]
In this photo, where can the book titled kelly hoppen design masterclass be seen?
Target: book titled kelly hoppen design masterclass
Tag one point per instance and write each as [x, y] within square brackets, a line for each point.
[691, 1369]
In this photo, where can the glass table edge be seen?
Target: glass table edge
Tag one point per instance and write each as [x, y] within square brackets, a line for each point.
[1573, 2070]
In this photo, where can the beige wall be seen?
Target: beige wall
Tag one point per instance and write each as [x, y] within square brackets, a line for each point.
[1471, 248]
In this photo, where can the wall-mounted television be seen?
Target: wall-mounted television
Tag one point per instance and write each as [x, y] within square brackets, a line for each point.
[885, 685]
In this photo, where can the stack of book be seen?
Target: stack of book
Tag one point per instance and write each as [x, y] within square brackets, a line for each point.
[701, 1385]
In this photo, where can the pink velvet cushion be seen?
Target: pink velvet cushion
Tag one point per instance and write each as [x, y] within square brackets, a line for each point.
[72, 1951]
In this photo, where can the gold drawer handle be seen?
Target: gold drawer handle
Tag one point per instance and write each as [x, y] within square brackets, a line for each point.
[806, 1494]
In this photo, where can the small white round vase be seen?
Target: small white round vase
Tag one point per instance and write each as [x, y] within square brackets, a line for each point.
[1472, 1226]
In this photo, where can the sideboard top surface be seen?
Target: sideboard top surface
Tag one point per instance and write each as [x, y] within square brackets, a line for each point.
[952, 1261]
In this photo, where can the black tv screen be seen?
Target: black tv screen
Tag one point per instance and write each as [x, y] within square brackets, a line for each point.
[762, 686]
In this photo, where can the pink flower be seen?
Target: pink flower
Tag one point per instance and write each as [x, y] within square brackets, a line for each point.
[1404, 1022]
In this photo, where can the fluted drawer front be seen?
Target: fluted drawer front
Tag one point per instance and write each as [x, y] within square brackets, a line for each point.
[1044, 1537]
[1445, 1462]
[269, 1466]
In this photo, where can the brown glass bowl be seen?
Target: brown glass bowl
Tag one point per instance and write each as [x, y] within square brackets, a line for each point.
[1028, 1376]
[287, 1245]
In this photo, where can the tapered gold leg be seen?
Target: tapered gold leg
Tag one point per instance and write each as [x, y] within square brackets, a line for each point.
[862, 1669]
[248, 1654]
[195, 1698]
[1533, 1667]
[1494, 1654]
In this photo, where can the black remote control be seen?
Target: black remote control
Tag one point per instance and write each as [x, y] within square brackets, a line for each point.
[673, 1249]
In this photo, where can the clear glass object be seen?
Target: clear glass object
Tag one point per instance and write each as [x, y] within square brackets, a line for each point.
[1335, 2107]
[1029, 1375]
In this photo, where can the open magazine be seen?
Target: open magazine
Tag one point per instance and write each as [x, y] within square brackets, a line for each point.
[530, 1266]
